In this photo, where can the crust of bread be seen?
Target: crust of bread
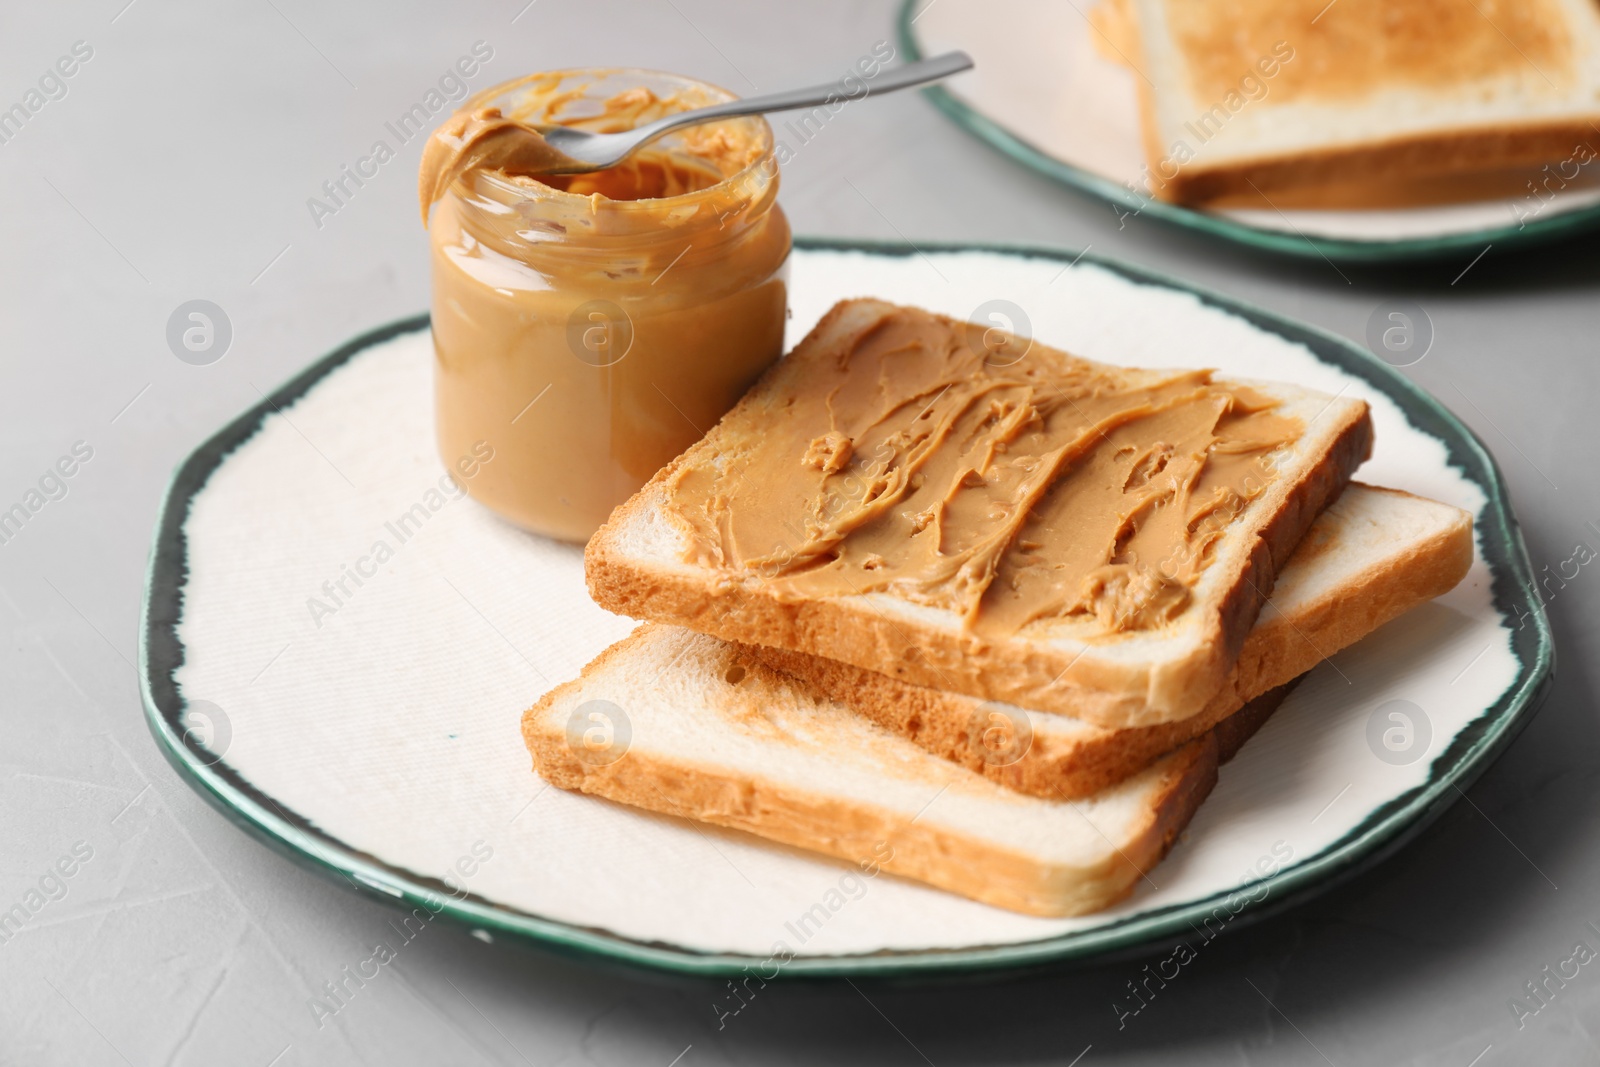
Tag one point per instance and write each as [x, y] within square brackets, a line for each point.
[1393, 160]
[1231, 733]
[1277, 650]
[1032, 673]
[962, 863]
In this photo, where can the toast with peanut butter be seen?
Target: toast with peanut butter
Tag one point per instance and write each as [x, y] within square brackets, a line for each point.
[1373, 555]
[1268, 98]
[978, 513]
[684, 724]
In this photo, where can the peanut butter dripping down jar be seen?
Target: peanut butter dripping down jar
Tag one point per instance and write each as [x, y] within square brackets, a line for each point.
[588, 328]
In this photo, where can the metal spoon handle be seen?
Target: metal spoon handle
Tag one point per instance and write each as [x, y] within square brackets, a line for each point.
[902, 77]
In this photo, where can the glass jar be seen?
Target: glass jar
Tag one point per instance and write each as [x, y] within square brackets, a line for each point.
[589, 328]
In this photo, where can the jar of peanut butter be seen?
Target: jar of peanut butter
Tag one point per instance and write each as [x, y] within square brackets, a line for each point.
[590, 327]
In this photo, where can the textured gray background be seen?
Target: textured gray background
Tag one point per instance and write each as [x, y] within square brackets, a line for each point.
[178, 167]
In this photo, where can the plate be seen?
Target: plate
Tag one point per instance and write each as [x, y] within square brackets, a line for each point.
[1043, 94]
[337, 646]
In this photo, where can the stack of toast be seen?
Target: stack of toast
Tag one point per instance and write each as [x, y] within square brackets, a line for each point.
[1360, 103]
[983, 615]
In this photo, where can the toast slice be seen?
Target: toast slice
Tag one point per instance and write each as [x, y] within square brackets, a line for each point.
[1268, 97]
[1373, 555]
[684, 724]
[997, 498]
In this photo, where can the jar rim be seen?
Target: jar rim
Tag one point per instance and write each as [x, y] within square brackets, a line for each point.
[765, 143]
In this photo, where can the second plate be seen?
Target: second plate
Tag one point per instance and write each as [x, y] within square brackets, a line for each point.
[1045, 95]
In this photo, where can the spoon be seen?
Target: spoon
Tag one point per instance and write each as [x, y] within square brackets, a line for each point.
[597, 151]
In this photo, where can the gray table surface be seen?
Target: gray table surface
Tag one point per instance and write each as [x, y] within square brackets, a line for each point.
[178, 166]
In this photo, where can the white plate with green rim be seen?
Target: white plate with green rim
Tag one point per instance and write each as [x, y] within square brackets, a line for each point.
[370, 728]
[1045, 95]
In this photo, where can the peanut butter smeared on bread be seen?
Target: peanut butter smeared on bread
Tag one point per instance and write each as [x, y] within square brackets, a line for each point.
[1012, 485]
[879, 492]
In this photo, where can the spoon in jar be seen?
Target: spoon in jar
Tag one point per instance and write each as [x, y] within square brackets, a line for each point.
[486, 139]
[596, 151]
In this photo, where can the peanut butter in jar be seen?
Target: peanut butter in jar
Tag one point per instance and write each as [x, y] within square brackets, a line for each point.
[590, 327]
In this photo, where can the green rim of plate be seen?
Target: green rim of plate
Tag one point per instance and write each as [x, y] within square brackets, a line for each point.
[1383, 831]
[1337, 249]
